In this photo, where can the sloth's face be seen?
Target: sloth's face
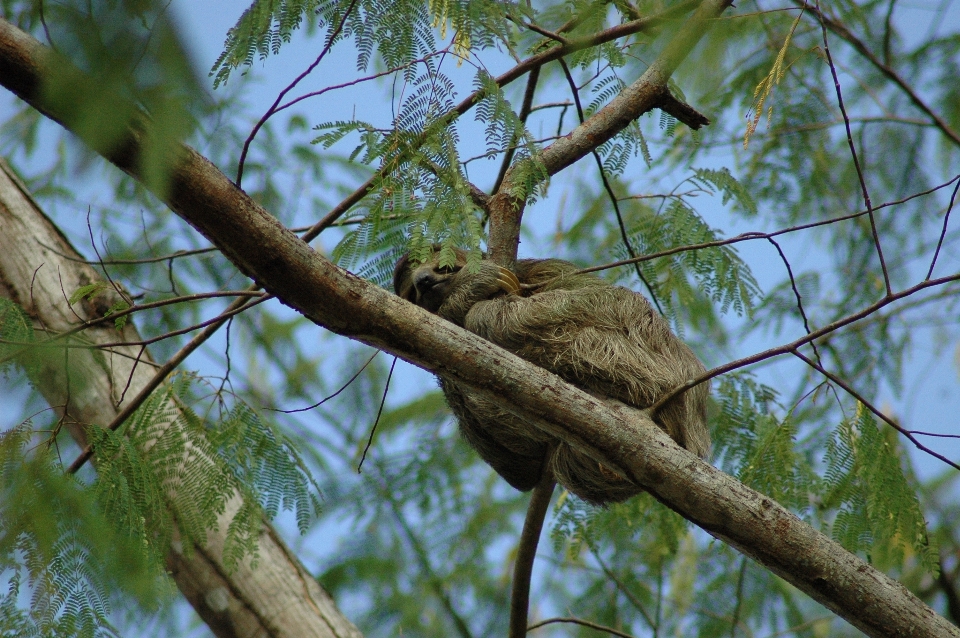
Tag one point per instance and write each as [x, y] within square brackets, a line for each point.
[432, 284]
[426, 285]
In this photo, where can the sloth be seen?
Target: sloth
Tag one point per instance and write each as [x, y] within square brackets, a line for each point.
[605, 339]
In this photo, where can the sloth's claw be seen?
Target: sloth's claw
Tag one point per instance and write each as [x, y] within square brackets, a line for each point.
[610, 474]
[508, 281]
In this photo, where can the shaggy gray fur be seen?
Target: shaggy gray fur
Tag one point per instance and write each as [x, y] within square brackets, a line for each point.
[602, 338]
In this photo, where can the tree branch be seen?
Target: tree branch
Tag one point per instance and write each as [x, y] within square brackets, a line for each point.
[506, 206]
[527, 551]
[841, 30]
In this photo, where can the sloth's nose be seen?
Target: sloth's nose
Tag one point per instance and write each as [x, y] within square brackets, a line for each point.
[424, 281]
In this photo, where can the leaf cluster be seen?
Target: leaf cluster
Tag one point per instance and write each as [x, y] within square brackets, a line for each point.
[878, 513]
[71, 558]
[717, 272]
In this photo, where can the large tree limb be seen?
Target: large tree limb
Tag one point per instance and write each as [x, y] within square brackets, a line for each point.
[622, 439]
[280, 597]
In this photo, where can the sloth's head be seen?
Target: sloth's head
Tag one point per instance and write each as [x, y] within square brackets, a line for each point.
[427, 284]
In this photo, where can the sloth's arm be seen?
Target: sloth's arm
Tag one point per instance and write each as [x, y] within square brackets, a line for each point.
[470, 288]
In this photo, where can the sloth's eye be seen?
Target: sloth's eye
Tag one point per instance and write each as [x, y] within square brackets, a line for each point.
[446, 270]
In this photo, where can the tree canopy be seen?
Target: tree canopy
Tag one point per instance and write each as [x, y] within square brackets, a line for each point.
[208, 390]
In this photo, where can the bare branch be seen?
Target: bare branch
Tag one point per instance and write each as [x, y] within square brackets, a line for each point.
[614, 200]
[796, 291]
[276, 103]
[791, 347]
[579, 621]
[856, 160]
[841, 30]
[556, 37]
[759, 235]
[943, 231]
[876, 411]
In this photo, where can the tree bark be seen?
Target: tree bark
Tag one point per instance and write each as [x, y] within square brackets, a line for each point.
[39, 270]
[624, 440]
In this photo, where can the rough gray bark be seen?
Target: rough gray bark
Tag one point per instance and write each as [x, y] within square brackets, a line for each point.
[624, 440]
[279, 597]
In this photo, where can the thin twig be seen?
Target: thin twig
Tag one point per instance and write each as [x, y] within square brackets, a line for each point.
[383, 401]
[758, 235]
[325, 399]
[841, 30]
[93, 244]
[609, 189]
[736, 609]
[525, 110]
[229, 312]
[436, 582]
[196, 251]
[368, 78]
[556, 37]
[853, 153]
[130, 262]
[273, 107]
[636, 602]
[794, 345]
[943, 232]
[580, 621]
[132, 309]
[796, 291]
[934, 434]
[859, 397]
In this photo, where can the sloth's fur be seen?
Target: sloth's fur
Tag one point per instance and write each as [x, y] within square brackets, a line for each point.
[605, 339]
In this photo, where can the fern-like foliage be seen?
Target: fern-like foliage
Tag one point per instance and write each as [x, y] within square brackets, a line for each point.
[718, 271]
[878, 511]
[574, 526]
[421, 197]
[72, 558]
[260, 31]
[756, 446]
[373, 25]
[505, 130]
[92, 543]
[723, 180]
[15, 329]
[238, 455]
[261, 456]
[617, 152]
[655, 530]
[504, 127]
